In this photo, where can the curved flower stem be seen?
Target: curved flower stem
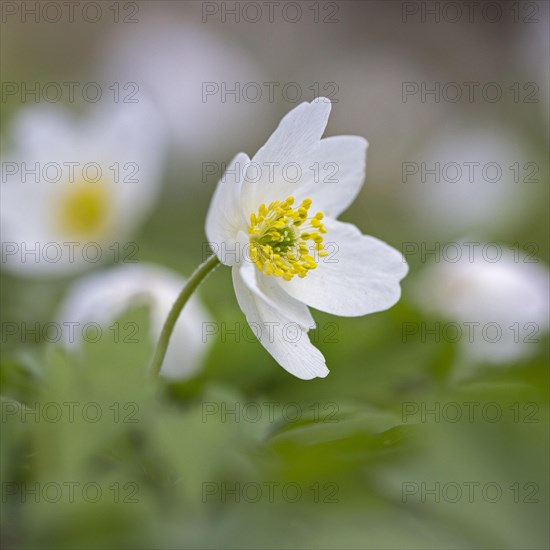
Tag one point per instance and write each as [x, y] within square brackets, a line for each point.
[192, 284]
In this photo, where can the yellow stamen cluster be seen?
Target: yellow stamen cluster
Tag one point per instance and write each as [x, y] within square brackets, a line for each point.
[279, 236]
[83, 209]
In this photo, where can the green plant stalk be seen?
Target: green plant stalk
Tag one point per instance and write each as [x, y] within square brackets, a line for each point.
[194, 281]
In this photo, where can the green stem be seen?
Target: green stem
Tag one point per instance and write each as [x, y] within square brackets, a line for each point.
[194, 281]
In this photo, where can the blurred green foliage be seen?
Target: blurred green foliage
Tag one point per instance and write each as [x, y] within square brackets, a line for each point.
[209, 463]
[167, 459]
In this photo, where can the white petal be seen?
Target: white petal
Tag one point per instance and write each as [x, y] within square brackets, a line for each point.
[225, 219]
[267, 289]
[296, 140]
[44, 133]
[103, 296]
[286, 341]
[31, 243]
[337, 175]
[360, 275]
[116, 138]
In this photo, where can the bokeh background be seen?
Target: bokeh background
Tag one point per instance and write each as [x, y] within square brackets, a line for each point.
[420, 437]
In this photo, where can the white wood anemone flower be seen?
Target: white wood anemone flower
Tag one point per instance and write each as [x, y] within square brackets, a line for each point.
[273, 220]
[185, 66]
[498, 300]
[75, 190]
[102, 297]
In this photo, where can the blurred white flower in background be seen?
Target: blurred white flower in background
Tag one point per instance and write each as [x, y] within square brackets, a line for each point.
[502, 294]
[189, 71]
[74, 189]
[104, 296]
[467, 177]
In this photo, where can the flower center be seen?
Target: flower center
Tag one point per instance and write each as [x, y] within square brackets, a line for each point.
[279, 236]
[83, 209]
